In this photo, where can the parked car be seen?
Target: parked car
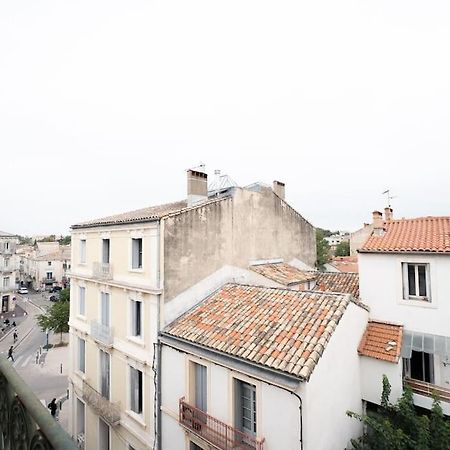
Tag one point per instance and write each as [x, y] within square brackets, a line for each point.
[55, 289]
[23, 290]
[54, 298]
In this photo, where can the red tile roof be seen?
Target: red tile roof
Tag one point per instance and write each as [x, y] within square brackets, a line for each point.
[382, 340]
[282, 329]
[344, 282]
[283, 273]
[345, 263]
[423, 234]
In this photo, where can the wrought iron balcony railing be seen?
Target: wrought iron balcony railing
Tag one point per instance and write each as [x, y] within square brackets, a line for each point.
[428, 389]
[215, 432]
[110, 411]
[102, 271]
[102, 333]
[24, 422]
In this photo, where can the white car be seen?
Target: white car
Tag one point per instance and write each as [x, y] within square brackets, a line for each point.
[23, 290]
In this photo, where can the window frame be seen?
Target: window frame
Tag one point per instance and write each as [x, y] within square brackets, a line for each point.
[100, 374]
[137, 338]
[140, 255]
[79, 369]
[82, 251]
[82, 301]
[100, 312]
[133, 369]
[77, 422]
[407, 297]
[99, 434]
[105, 250]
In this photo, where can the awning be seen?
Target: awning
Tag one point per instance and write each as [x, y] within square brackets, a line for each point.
[427, 343]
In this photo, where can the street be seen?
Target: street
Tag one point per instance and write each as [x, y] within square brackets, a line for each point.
[44, 378]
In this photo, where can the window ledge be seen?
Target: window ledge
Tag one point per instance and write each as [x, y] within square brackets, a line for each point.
[80, 374]
[136, 341]
[136, 417]
[418, 303]
[141, 270]
[82, 318]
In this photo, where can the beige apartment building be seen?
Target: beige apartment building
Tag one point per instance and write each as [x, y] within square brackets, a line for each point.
[8, 270]
[128, 278]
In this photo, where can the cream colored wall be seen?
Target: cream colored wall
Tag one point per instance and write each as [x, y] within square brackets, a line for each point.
[120, 252]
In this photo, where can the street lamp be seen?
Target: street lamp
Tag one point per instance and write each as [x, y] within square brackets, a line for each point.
[46, 332]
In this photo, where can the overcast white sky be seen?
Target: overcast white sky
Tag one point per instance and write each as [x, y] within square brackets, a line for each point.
[104, 104]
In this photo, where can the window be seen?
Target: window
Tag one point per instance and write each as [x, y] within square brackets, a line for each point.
[105, 251]
[82, 301]
[49, 263]
[136, 318]
[103, 435]
[81, 355]
[136, 253]
[80, 420]
[82, 251]
[49, 275]
[104, 374]
[6, 282]
[194, 446]
[419, 367]
[245, 403]
[136, 393]
[6, 263]
[416, 281]
[199, 386]
[104, 309]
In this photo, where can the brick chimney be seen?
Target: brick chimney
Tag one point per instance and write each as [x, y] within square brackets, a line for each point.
[278, 188]
[197, 187]
[378, 229]
[388, 213]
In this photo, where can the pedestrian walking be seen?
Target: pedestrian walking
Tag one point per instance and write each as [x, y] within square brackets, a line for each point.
[15, 336]
[10, 353]
[52, 406]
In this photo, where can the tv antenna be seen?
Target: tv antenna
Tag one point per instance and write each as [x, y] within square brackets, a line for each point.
[389, 197]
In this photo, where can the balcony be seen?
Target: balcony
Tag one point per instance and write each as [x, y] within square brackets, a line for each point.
[428, 389]
[110, 411]
[102, 271]
[24, 422]
[214, 432]
[6, 289]
[102, 333]
[8, 269]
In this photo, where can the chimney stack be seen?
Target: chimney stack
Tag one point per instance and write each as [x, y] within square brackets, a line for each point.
[197, 187]
[388, 213]
[377, 223]
[279, 188]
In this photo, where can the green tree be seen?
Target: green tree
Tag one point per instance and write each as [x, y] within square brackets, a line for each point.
[64, 295]
[343, 249]
[322, 248]
[65, 240]
[400, 427]
[56, 318]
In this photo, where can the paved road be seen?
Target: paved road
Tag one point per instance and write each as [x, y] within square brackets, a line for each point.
[44, 383]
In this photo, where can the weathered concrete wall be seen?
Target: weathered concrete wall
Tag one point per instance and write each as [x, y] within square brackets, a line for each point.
[247, 226]
[359, 237]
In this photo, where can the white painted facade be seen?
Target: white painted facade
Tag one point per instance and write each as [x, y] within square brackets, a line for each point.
[332, 390]
[382, 281]
[9, 271]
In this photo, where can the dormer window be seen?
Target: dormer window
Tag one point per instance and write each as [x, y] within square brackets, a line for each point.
[416, 282]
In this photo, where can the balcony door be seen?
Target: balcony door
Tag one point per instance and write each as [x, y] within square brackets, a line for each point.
[245, 403]
[105, 309]
[420, 366]
[105, 251]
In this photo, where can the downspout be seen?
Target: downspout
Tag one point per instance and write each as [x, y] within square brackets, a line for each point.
[157, 348]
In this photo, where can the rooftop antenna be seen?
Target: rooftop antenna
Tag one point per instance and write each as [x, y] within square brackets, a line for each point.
[389, 197]
[201, 166]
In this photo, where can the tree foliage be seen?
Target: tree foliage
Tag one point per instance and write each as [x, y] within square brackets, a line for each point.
[56, 318]
[322, 248]
[64, 295]
[343, 249]
[65, 240]
[399, 426]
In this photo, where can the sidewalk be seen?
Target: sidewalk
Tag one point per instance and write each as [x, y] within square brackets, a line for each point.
[56, 362]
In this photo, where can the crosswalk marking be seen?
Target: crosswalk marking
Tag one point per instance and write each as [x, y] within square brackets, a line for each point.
[26, 361]
[16, 361]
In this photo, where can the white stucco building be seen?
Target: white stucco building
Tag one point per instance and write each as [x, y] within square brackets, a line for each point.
[134, 272]
[263, 366]
[404, 279]
[9, 270]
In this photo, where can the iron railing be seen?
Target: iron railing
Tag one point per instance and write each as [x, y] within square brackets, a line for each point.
[109, 410]
[102, 271]
[102, 333]
[24, 422]
[428, 389]
[215, 432]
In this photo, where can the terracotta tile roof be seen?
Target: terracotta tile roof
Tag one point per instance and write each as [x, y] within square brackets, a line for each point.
[144, 214]
[282, 329]
[382, 340]
[344, 282]
[345, 263]
[283, 273]
[423, 234]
